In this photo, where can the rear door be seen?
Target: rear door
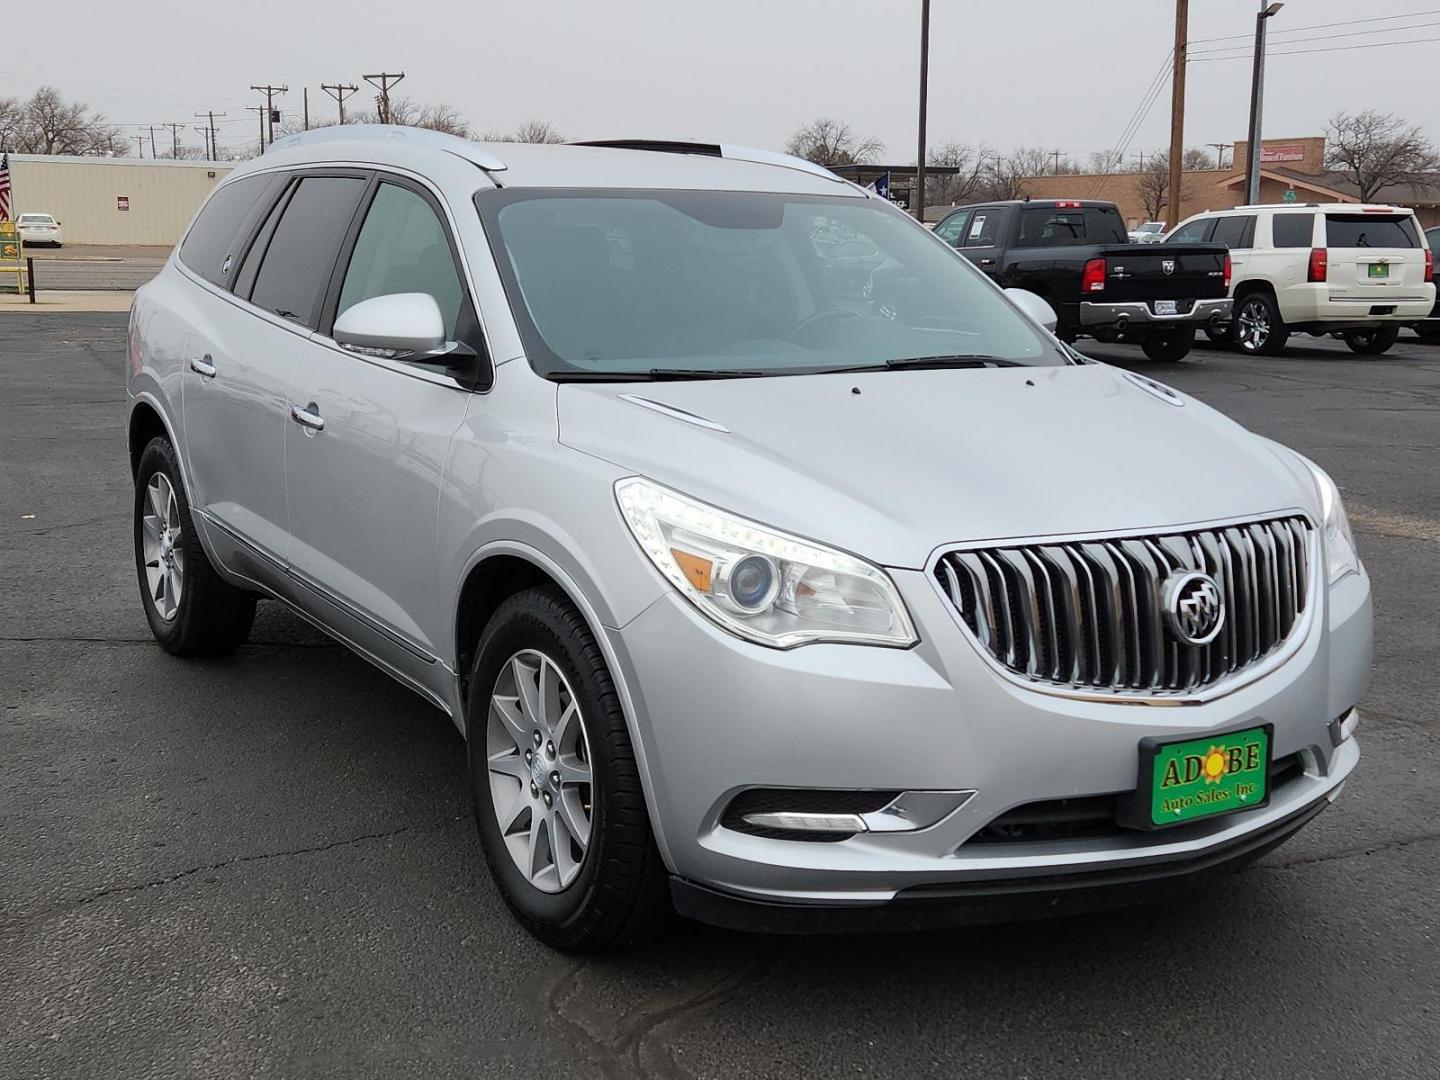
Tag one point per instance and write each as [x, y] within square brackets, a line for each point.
[1374, 256]
[984, 238]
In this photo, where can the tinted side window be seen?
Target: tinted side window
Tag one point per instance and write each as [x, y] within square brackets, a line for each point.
[1104, 225]
[1193, 233]
[952, 228]
[1049, 227]
[1237, 231]
[208, 245]
[402, 248]
[1370, 230]
[1292, 230]
[984, 228]
[296, 268]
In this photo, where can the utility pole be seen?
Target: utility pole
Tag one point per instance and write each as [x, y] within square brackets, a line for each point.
[213, 152]
[1141, 156]
[204, 133]
[259, 110]
[385, 80]
[339, 91]
[174, 139]
[1177, 112]
[306, 91]
[153, 155]
[140, 142]
[1058, 153]
[269, 92]
[919, 193]
[1220, 149]
[1257, 104]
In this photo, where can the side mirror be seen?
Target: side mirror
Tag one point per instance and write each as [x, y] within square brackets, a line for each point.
[1034, 306]
[401, 326]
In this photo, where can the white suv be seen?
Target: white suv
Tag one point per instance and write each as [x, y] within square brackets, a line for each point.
[1333, 268]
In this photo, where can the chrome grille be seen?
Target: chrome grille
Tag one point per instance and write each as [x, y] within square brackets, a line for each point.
[1087, 614]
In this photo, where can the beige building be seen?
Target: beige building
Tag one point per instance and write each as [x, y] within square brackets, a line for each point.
[1286, 165]
[114, 200]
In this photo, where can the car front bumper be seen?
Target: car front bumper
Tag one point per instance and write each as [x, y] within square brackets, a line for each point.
[1139, 313]
[715, 716]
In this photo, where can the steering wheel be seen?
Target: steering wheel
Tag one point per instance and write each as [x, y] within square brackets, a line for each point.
[820, 318]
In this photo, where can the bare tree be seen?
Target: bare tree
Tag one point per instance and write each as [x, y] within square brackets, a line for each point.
[832, 142]
[1153, 187]
[1197, 159]
[536, 131]
[972, 161]
[1378, 149]
[48, 124]
[408, 112]
[1105, 161]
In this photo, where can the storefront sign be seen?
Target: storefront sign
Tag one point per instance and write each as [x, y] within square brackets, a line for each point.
[1282, 153]
[122, 202]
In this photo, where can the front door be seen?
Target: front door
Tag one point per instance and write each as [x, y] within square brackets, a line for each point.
[364, 483]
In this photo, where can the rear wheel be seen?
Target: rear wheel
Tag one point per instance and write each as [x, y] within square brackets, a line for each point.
[1371, 341]
[190, 609]
[1170, 346]
[1258, 328]
[557, 791]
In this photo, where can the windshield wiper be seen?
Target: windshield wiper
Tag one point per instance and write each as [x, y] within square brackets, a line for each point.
[956, 361]
[709, 373]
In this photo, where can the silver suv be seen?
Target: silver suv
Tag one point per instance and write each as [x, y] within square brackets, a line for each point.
[777, 566]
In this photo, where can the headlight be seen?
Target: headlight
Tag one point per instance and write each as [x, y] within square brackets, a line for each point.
[1340, 555]
[757, 582]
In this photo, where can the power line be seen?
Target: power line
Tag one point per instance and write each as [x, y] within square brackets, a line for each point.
[340, 91]
[1333, 48]
[1327, 26]
[1333, 37]
[1117, 152]
[269, 92]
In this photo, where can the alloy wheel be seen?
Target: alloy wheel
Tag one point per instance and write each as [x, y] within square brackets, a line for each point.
[538, 758]
[1253, 325]
[163, 547]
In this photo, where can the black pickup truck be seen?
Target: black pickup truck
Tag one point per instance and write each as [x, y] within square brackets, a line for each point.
[1076, 255]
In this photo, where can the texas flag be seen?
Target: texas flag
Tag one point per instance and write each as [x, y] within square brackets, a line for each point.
[881, 186]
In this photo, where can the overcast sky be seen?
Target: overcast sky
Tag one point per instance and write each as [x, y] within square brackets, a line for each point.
[1066, 74]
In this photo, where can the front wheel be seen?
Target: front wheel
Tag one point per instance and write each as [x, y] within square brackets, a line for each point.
[190, 609]
[1258, 328]
[1170, 346]
[558, 800]
[1372, 341]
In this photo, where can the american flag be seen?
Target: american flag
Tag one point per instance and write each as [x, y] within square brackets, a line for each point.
[5, 188]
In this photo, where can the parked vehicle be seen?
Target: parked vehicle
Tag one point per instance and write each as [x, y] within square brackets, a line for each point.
[1148, 232]
[1076, 256]
[1429, 329]
[1357, 271]
[40, 229]
[793, 604]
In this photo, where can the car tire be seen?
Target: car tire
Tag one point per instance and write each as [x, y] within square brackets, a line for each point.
[191, 610]
[1169, 346]
[1257, 328]
[1373, 341]
[1221, 336]
[609, 888]
[1429, 333]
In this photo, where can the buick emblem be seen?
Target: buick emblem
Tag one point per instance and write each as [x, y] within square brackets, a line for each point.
[1168, 265]
[1194, 607]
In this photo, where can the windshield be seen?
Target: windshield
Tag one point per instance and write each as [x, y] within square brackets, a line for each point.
[669, 283]
[1152, 227]
[36, 219]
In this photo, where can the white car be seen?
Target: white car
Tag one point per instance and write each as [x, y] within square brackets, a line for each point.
[39, 229]
[1148, 232]
[1355, 270]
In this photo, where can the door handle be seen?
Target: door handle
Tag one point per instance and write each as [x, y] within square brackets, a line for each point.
[987, 262]
[308, 416]
[202, 366]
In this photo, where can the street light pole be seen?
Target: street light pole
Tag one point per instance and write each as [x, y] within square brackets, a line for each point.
[919, 194]
[1257, 103]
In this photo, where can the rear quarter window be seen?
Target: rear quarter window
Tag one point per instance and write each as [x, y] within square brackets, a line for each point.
[1371, 231]
[1292, 230]
[209, 246]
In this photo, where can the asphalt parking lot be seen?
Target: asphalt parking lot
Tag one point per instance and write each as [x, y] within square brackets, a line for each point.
[95, 267]
[265, 865]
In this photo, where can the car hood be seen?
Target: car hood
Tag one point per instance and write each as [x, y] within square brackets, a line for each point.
[892, 465]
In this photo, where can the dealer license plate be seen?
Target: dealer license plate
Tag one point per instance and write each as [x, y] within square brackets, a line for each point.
[1200, 778]
[1379, 270]
[1165, 307]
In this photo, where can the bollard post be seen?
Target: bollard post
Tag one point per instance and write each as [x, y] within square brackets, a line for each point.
[30, 277]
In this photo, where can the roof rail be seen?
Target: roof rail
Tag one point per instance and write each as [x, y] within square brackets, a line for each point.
[729, 151]
[453, 144]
